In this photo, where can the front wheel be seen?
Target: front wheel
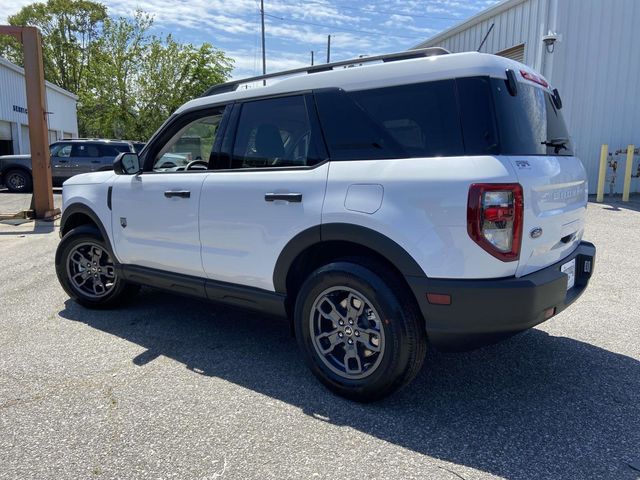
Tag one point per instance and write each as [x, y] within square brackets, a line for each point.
[360, 332]
[87, 272]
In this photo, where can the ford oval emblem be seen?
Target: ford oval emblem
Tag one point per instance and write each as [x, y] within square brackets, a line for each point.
[536, 232]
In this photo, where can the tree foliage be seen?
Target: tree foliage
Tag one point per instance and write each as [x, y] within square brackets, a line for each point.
[127, 79]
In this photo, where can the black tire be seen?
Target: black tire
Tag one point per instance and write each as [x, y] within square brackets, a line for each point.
[86, 240]
[402, 346]
[18, 181]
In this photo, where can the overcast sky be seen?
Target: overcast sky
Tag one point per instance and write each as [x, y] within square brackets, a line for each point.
[295, 27]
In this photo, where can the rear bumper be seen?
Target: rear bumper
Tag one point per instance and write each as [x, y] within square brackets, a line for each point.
[486, 311]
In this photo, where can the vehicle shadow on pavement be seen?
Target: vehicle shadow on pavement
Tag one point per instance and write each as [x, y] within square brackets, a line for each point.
[535, 406]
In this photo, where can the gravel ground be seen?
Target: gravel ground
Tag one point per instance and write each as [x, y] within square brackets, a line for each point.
[176, 388]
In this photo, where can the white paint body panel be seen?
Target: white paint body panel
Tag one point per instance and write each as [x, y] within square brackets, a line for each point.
[424, 209]
[91, 190]
[242, 235]
[161, 232]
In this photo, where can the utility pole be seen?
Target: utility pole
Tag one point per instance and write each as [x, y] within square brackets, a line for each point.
[264, 54]
[328, 48]
[29, 37]
[312, 58]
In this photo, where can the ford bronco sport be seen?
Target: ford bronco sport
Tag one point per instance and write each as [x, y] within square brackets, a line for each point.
[419, 199]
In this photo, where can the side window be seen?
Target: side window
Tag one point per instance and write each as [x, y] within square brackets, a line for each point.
[61, 150]
[351, 133]
[477, 116]
[275, 132]
[85, 150]
[110, 150]
[422, 118]
[194, 142]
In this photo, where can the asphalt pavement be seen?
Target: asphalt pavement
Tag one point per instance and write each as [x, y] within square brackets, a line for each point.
[171, 387]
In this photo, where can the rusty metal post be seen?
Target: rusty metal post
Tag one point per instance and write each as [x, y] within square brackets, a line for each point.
[36, 107]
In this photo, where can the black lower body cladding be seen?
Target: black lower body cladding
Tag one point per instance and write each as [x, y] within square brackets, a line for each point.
[486, 311]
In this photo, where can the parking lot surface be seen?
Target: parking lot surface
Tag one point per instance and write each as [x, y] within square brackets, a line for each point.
[171, 387]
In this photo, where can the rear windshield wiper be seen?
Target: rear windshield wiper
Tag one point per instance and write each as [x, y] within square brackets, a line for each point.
[557, 143]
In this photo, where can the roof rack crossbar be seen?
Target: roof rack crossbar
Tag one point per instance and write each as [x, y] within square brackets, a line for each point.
[389, 57]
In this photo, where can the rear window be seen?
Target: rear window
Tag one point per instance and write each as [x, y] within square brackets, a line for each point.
[529, 123]
[466, 116]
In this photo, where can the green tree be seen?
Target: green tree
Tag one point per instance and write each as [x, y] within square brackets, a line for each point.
[128, 80]
[69, 28]
[137, 79]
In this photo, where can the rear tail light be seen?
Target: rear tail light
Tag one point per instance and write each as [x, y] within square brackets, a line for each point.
[494, 218]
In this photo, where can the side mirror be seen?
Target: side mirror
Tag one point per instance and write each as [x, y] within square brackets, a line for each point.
[127, 163]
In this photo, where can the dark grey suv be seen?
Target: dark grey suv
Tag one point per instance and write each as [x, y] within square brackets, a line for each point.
[68, 158]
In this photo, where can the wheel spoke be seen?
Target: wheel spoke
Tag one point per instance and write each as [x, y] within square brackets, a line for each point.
[352, 363]
[333, 315]
[355, 307]
[333, 339]
[368, 337]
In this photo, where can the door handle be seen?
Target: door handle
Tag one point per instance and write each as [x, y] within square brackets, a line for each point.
[177, 193]
[62, 161]
[287, 197]
[95, 161]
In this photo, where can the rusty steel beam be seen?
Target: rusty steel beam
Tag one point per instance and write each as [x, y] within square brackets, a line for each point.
[38, 129]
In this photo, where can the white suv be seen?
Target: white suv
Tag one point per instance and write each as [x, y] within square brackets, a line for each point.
[416, 198]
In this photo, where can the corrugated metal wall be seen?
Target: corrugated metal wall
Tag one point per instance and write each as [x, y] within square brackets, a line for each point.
[63, 117]
[595, 65]
[597, 69]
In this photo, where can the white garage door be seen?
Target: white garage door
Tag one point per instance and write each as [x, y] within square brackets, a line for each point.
[5, 130]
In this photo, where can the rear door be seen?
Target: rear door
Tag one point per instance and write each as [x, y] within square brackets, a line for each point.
[85, 158]
[535, 140]
[269, 186]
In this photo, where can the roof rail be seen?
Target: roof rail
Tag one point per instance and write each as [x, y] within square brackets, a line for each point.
[388, 57]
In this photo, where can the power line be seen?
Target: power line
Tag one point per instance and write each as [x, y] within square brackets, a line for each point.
[375, 11]
[340, 29]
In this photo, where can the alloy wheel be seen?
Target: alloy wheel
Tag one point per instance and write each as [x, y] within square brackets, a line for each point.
[347, 332]
[91, 270]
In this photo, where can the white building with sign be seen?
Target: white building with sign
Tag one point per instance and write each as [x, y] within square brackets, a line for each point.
[587, 49]
[14, 122]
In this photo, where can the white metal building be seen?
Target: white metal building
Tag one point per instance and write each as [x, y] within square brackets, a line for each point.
[14, 124]
[594, 63]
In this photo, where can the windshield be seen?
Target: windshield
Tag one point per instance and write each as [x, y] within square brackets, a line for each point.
[529, 123]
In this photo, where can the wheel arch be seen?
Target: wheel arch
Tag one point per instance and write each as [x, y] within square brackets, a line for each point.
[77, 215]
[16, 166]
[321, 244]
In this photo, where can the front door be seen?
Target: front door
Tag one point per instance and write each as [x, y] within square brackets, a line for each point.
[155, 213]
[61, 165]
[271, 189]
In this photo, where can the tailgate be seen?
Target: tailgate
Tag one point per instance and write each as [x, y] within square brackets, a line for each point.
[555, 202]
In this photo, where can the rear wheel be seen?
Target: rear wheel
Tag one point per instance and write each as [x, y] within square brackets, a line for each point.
[18, 181]
[360, 332]
[87, 272]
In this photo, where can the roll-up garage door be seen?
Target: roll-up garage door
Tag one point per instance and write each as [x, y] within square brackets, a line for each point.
[5, 130]
[514, 53]
[25, 147]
